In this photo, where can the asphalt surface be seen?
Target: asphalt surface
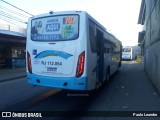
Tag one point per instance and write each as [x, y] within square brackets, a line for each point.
[128, 92]
[12, 74]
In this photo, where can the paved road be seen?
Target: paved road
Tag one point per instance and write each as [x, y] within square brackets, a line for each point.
[15, 91]
[129, 90]
[12, 74]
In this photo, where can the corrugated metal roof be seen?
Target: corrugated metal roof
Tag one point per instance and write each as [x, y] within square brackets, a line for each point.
[8, 32]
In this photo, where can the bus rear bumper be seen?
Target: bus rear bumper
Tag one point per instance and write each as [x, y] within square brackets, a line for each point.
[126, 58]
[71, 83]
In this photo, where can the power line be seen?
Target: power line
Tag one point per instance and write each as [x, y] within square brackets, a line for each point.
[16, 7]
[14, 12]
[9, 21]
[11, 17]
[14, 17]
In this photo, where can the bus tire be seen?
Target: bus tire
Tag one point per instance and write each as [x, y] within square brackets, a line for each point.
[119, 64]
[99, 85]
[108, 75]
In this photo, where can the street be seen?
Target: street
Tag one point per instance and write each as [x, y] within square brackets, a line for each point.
[77, 45]
[128, 90]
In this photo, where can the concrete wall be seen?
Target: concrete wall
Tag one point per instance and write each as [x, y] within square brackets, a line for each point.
[13, 28]
[152, 64]
[152, 43]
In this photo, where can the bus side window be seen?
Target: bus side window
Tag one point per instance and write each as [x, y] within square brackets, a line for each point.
[114, 49]
[107, 50]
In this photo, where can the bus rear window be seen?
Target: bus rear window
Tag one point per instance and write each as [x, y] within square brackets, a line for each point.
[55, 28]
[126, 50]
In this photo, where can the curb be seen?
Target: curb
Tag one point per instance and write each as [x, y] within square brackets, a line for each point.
[14, 78]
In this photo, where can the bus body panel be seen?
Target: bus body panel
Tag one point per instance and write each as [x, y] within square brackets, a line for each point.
[91, 60]
[54, 60]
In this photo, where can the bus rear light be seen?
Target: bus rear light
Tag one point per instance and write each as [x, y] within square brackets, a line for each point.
[80, 64]
[29, 65]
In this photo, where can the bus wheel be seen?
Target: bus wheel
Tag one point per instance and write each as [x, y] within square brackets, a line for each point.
[108, 75]
[119, 64]
[98, 86]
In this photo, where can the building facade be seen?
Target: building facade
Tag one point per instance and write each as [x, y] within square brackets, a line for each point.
[149, 39]
[12, 47]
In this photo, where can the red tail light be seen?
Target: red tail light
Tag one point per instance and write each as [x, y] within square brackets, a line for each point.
[80, 64]
[29, 62]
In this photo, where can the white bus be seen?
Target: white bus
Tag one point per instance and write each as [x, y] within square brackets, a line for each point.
[128, 53]
[70, 50]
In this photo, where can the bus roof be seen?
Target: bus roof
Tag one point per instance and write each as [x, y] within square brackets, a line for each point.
[75, 12]
[68, 12]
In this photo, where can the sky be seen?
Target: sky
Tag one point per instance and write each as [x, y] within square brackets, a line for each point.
[119, 17]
